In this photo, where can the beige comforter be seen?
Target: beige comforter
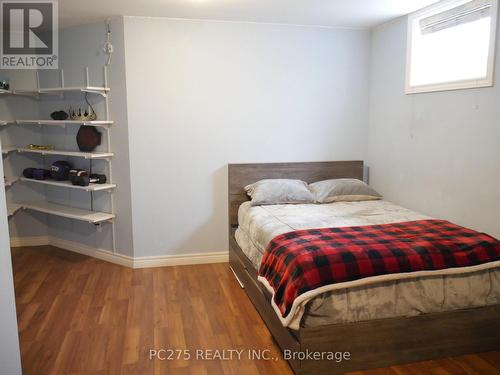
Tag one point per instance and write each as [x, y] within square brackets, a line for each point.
[379, 298]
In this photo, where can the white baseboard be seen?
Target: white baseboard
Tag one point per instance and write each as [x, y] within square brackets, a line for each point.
[108, 256]
[123, 260]
[29, 241]
[181, 260]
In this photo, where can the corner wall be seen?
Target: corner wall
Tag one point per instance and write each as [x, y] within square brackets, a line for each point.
[437, 153]
[10, 359]
[12, 108]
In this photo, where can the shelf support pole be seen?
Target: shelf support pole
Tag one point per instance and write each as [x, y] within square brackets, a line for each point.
[110, 169]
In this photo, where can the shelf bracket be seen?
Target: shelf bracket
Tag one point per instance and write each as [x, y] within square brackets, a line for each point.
[102, 93]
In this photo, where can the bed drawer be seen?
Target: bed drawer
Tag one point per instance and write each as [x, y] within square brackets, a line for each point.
[245, 272]
[242, 267]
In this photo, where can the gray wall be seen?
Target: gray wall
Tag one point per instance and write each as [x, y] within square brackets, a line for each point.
[10, 360]
[81, 47]
[18, 107]
[191, 96]
[437, 153]
[203, 94]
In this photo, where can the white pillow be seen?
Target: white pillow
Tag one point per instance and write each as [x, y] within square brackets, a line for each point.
[342, 190]
[279, 191]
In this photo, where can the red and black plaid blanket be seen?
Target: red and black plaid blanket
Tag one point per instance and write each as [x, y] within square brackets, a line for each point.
[298, 262]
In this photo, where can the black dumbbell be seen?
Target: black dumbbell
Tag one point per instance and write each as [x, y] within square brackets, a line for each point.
[36, 173]
[76, 175]
[96, 178]
[80, 177]
[28, 172]
[92, 179]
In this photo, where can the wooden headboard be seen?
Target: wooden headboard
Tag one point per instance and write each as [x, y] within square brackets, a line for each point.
[241, 175]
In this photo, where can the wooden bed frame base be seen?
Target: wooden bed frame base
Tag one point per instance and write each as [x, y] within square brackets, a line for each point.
[371, 344]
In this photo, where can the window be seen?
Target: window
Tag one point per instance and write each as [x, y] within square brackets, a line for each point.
[451, 45]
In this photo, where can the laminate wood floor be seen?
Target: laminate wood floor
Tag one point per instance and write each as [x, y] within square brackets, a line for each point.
[80, 315]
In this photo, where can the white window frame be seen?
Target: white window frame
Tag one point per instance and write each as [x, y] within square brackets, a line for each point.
[488, 81]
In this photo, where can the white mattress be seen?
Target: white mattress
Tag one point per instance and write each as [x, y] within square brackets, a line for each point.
[259, 225]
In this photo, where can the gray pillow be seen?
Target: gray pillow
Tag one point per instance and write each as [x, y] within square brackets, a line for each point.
[279, 191]
[342, 190]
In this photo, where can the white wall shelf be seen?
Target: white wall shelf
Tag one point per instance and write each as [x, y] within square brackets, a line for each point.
[92, 217]
[69, 185]
[8, 149]
[10, 180]
[5, 92]
[60, 91]
[63, 90]
[12, 208]
[63, 122]
[85, 155]
[90, 214]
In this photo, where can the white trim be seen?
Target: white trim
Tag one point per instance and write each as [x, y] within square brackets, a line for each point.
[181, 260]
[487, 81]
[449, 86]
[123, 260]
[29, 241]
[106, 255]
[333, 27]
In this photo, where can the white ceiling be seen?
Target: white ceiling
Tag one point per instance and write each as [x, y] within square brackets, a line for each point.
[339, 13]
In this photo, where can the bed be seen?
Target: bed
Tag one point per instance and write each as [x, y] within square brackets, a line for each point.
[379, 325]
